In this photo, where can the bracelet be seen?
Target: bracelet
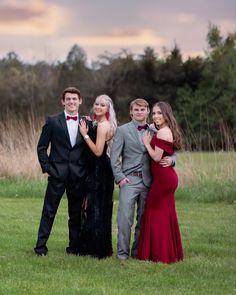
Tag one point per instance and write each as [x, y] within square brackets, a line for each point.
[86, 137]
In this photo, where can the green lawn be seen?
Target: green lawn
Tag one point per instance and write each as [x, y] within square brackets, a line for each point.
[209, 240]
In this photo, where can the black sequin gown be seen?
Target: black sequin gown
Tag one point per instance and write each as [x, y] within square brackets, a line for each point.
[96, 237]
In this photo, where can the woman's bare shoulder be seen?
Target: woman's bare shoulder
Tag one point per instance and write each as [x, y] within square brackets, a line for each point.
[165, 134]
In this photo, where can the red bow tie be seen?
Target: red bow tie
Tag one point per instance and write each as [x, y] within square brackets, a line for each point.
[143, 127]
[72, 118]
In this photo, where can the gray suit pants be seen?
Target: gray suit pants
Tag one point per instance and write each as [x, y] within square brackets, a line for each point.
[130, 194]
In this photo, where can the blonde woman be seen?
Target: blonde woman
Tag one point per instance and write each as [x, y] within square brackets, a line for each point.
[96, 239]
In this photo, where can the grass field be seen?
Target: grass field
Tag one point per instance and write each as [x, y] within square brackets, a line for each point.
[209, 239]
[206, 201]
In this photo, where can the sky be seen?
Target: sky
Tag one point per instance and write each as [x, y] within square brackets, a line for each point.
[47, 29]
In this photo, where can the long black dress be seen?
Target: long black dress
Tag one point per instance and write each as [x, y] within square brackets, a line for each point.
[96, 237]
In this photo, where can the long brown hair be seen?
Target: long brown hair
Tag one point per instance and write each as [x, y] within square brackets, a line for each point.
[171, 123]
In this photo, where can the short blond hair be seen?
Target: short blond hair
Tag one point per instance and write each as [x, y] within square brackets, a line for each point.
[140, 102]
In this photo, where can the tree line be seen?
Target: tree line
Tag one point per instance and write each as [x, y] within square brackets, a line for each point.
[201, 90]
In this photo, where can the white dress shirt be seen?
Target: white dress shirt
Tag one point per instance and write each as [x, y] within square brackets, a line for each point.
[72, 127]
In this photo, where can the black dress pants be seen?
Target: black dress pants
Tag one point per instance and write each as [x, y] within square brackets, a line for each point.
[75, 191]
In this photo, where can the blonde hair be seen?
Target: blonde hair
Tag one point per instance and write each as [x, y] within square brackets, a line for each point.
[140, 102]
[112, 115]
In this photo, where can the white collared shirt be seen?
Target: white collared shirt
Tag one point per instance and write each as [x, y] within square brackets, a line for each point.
[72, 127]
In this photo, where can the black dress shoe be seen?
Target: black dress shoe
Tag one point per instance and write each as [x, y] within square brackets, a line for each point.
[41, 251]
[71, 251]
[40, 254]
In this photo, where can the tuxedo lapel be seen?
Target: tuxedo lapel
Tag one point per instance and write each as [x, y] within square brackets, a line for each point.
[134, 133]
[79, 137]
[62, 120]
[152, 130]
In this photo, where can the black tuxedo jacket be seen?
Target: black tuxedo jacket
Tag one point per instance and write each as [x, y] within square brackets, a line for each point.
[63, 159]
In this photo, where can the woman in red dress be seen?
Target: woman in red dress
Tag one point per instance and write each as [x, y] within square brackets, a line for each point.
[160, 239]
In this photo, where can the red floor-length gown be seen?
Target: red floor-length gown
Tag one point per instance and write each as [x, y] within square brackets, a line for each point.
[160, 239]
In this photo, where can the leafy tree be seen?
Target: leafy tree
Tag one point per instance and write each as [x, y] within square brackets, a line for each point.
[201, 90]
[74, 71]
[171, 76]
[209, 110]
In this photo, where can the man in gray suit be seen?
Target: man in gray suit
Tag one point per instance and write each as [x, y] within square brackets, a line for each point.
[130, 165]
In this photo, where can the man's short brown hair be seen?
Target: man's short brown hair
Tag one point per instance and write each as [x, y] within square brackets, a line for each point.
[71, 90]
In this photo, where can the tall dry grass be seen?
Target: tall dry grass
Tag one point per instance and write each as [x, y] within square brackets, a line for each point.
[195, 168]
[18, 157]
[18, 141]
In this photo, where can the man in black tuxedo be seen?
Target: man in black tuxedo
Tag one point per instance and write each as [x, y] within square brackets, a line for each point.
[66, 169]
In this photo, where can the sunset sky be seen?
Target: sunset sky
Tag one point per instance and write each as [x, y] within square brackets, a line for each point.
[47, 29]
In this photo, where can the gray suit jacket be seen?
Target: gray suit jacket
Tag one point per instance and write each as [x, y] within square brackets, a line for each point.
[128, 154]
